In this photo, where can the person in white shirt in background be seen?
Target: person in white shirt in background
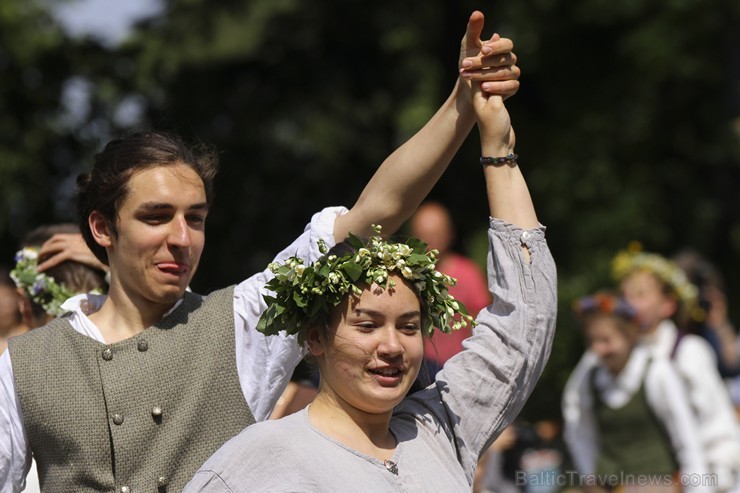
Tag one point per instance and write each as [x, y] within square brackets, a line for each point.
[629, 415]
[663, 297]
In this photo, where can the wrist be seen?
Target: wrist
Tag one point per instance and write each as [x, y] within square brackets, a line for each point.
[499, 150]
[461, 100]
[508, 160]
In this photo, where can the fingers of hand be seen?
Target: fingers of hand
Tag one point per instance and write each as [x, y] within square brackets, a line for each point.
[491, 74]
[489, 61]
[497, 45]
[473, 32]
[53, 261]
[504, 89]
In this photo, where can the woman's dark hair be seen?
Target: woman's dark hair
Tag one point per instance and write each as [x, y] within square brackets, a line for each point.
[106, 185]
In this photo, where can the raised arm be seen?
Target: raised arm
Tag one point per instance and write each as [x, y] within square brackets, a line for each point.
[406, 176]
[508, 195]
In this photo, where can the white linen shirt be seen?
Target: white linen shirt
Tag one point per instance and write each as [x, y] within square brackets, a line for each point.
[719, 433]
[264, 364]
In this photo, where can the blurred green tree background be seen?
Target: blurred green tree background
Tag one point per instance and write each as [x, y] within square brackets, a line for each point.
[628, 122]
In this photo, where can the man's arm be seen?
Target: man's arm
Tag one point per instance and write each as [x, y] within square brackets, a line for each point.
[14, 458]
[406, 176]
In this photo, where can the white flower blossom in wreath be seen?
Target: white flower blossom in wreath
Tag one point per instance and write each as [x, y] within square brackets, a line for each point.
[301, 294]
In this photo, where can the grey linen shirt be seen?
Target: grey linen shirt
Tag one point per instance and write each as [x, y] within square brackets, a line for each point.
[441, 430]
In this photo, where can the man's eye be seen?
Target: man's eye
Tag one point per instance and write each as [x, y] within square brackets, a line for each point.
[156, 219]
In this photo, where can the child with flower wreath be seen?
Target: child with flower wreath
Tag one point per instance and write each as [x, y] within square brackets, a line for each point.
[363, 311]
[136, 395]
[634, 429]
[44, 293]
[663, 298]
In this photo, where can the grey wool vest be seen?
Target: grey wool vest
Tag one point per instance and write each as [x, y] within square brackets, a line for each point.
[140, 415]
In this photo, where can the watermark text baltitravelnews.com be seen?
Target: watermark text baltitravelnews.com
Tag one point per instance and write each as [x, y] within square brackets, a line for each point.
[573, 478]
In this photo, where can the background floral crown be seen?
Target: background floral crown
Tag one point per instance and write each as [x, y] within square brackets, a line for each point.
[605, 303]
[633, 258]
[41, 288]
[304, 293]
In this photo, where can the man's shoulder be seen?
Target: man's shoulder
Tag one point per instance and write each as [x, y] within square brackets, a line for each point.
[56, 328]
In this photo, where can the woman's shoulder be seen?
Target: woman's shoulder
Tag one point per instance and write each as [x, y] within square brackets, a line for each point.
[252, 460]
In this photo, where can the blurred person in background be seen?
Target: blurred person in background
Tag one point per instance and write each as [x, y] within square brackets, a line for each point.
[53, 265]
[663, 298]
[433, 224]
[490, 475]
[710, 318]
[629, 415]
[11, 322]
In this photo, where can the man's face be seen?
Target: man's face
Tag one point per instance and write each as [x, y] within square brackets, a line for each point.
[161, 234]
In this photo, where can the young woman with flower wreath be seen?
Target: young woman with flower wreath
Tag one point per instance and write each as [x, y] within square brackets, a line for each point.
[363, 310]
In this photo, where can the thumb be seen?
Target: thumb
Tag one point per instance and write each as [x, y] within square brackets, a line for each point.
[474, 31]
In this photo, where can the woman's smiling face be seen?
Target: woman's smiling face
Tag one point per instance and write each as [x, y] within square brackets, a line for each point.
[374, 348]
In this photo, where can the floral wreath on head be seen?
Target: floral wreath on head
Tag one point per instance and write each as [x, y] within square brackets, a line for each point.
[41, 288]
[304, 293]
[633, 258]
[604, 303]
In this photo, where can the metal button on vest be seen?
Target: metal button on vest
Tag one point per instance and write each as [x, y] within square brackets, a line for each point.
[142, 345]
[118, 419]
[125, 489]
[107, 354]
[157, 412]
[161, 482]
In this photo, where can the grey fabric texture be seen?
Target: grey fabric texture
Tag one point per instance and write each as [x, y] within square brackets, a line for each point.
[143, 413]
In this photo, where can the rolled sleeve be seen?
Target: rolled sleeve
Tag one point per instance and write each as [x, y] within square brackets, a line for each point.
[480, 390]
[265, 364]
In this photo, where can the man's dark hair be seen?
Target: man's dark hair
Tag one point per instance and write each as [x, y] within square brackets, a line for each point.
[106, 185]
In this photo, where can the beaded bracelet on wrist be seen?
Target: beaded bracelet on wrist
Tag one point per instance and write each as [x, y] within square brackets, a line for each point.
[499, 161]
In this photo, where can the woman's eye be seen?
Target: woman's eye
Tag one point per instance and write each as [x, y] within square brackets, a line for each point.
[410, 329]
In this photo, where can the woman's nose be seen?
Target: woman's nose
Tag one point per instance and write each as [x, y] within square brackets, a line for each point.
[390, 343]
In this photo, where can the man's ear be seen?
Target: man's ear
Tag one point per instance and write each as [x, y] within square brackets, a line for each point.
[100, 229]
[314, 341]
